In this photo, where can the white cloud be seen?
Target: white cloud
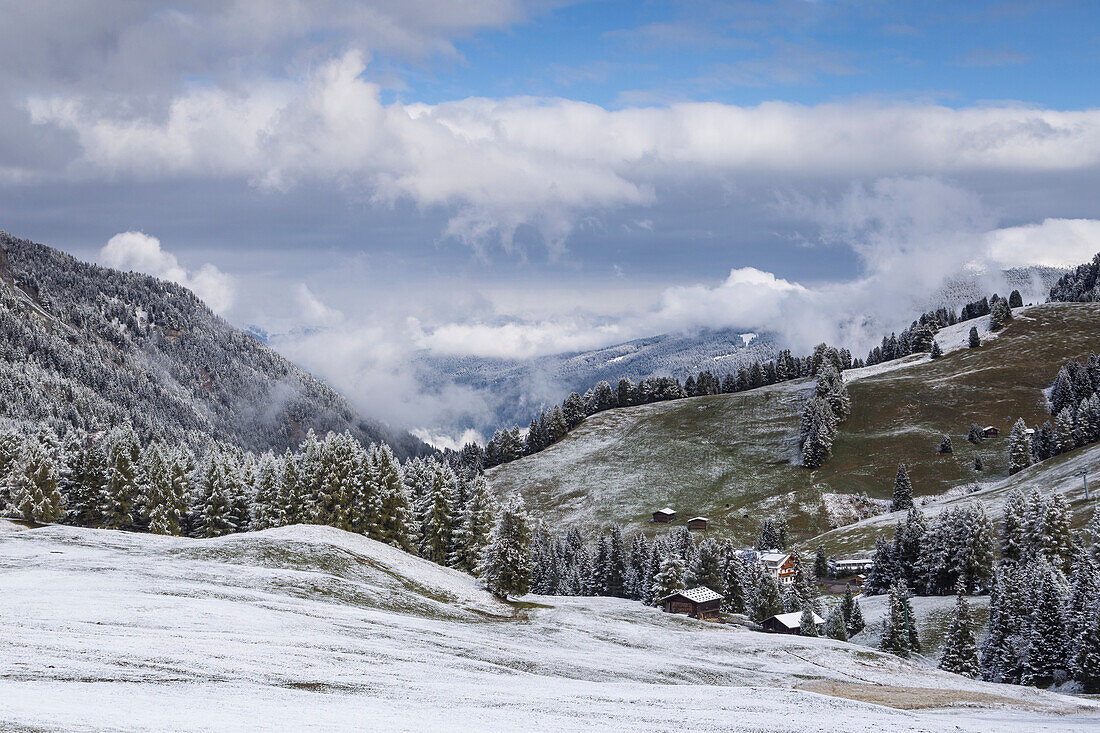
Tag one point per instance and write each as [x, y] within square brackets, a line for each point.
[495, 164]
[313, 311]
[139, 252]
[442, 440]
[1052, 242]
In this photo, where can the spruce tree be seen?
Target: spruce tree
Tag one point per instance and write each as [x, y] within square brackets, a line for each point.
[960, 651]
[506, 563]
[214, 509]
[395, 521]
[821, 563]
[670, 578]
[117, 503]
[807, 624]
[1086, 666]
[267, 511]
[1019, 447]
[438, 515]
[853, 615]
[707, 569]
[767, 602]
[975, 340]
[945, 445]
[903, 491]
[33, 479]
[1047, 645]
[476, 528]
[999, 315]
[884, 568]
[733, 579]
[935, 352]
[835, 628]
[899, 630]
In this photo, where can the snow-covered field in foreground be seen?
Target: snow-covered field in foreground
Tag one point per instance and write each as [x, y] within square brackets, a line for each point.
[313, 628]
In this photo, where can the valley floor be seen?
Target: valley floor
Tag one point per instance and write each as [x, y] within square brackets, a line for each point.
[311, 627]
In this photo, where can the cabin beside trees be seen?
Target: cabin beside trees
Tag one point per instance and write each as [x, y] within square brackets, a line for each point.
[664, 516]
[701, 603]
[788, 623]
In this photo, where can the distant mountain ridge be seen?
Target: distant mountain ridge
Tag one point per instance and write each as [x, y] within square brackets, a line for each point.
[518, 388]
[90, 347]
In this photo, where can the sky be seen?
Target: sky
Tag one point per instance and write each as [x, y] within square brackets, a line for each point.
[512, 178]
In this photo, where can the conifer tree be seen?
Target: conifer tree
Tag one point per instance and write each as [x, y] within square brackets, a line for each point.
[935, 352]
[395, 521]
[268, 513]
[884, 568]
[807, 624]
[476, 527]
[639, 560]
[1086, 667]
[117, 503]
[506, 563]
[214, 511]
[707, 568]
[1064, 439]
[1015, 300]
[615, 567]
[960, 652]
[945, 445]
[999, 314]
[1046, 658]
[33, 479]
[853, 615]
[670, 578]
[88, 482]
[899, 632]
[903, 491]
[438, 515]
[834, 625]
[733, 580]
[975, 340]
[767, 602]
[821, 563]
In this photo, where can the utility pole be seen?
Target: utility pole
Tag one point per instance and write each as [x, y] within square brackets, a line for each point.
[1084, 474]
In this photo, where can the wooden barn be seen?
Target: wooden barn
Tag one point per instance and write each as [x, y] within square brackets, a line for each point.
[698, 524]
[990, 432]
[701, 603]
[788, 623]
[664, 516]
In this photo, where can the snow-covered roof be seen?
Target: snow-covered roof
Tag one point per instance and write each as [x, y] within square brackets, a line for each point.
[793, 620]
[666, 510]
[698, 519]
[774, 558]
[698, 595]
[854, 561]
[989, 427]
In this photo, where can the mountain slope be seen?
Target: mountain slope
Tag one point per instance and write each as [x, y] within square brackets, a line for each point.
[90, 347]
[729, 456]
[516, 389]
[314, 628]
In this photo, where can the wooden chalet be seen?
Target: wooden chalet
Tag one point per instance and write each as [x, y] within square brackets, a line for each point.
[780, 564]
[788, 623]
[701, 603]
[664, 516]
[990, 432]
[698, 524]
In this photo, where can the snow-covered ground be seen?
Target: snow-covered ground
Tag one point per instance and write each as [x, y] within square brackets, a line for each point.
[313, 628]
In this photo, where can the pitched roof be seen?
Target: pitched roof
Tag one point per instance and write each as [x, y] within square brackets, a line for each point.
[698, 519]
[793, 620]
[774, 558]
[666, 510]
[698, 595]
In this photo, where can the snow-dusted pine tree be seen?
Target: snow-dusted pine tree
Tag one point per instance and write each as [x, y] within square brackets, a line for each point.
[903, 490]
[670, 578]
[506, 564]
[834, 624]
[960, 651]
[33, 484]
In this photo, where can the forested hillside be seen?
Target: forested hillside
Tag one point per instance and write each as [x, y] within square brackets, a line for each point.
[92, 348]
[734, 457]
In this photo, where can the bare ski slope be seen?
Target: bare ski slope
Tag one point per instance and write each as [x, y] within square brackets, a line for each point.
[729, 457]
[313, 628]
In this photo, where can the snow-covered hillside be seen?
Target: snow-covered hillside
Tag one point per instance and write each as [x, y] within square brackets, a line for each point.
[311, 627]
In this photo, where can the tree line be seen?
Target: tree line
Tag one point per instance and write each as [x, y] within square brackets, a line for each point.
[1074, 404]
[113, 481]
